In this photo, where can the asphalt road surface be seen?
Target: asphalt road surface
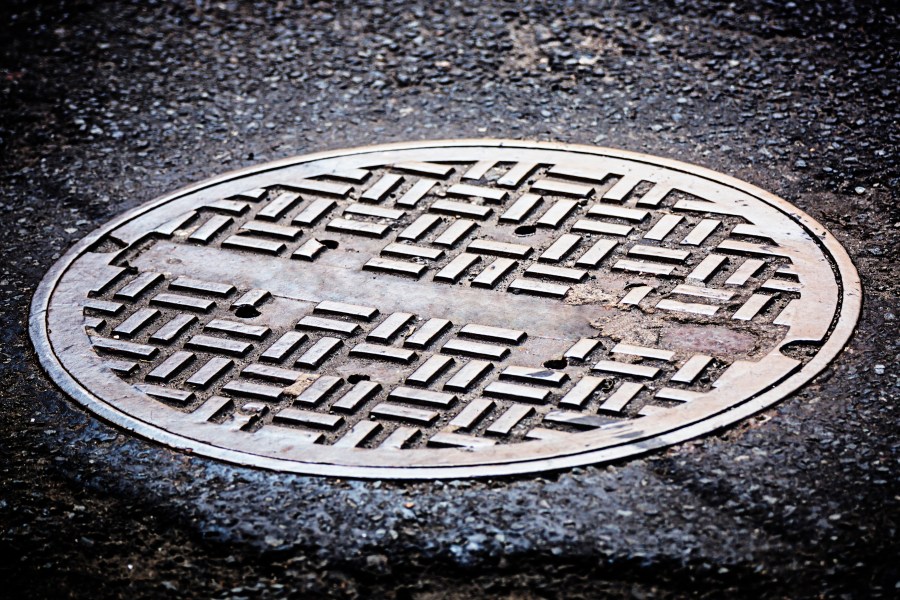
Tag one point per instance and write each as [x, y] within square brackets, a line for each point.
[105, 105]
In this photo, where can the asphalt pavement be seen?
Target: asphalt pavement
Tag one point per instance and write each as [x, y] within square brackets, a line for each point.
[106, 105]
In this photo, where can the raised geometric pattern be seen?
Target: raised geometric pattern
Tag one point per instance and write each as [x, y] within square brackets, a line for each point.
[405, 301]
[690, 260]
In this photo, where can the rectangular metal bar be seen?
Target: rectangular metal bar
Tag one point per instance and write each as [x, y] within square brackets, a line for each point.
[425, 335]
[657, 253]
[359, 394]
[319, 389]
[494, 272]
[331, 325]
[609, 366]
[137, 321]
[692, 368]
[419, 227]
[183, 302]
[618, 212]
[455, 232]
[701, 231]
[493, 334]
[478, 191]
[378, 352]
[285, 232]
[309, 418]
[536, 375]
[539, 288]
[637, 266]
[520, 208]
[687, 307]
[363, 228]
[424, 168]
[517, 174]
[171, 366]
[596, 253]
[663, 227]
[472, 413]
[475, 349]
[557, 213]
[137, 286]
[369, 210]
[389, 410]
[643, 351]
[395, 267]
[512, 391]
[172, 329]
[390, 327]
[379, 190]
[275, 208]
[461, 209]
[314, 211]
[430, 370]
[459, 440]
[471, 372]
[271, 373]
[454, 270]
[563, 188]
[751, 307]
[283, 346]
[581, 349]
[210, 228]
[587, 226]
[254, 244]
[702, 292]
[418, 191]
[319, 352]
[212, 288]
[743, 273]
[210, 371]
[358, 434]
[621, 397]
[581, 393]
[554, 272]
[322, 187]
[256, 332]
[514, 415]
[410, 251]
[124, 348]
[707, 267]
[355, 311]
[253, 390]
[560, 248]
[164, 393]
[426, 397]
[399, 438]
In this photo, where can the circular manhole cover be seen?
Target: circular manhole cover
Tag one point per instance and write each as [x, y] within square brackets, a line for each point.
[446, 309]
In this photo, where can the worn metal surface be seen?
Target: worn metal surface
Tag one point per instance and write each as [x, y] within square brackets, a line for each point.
[446, 309]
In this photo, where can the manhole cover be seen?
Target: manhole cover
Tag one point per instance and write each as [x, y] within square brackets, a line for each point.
[446, 309]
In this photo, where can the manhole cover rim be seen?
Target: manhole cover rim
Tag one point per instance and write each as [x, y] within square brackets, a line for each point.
[846, 318]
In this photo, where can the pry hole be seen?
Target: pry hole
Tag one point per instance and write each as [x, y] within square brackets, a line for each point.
[525, 230]
[246, 311]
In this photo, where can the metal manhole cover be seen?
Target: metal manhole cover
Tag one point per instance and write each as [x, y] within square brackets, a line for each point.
[446, 309]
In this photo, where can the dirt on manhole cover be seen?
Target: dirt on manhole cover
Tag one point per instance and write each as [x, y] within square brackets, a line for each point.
[446, 309]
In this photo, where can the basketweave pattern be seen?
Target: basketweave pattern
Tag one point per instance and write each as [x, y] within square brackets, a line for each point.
[201, 346]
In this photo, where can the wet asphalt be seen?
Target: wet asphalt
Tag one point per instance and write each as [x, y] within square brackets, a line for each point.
[104, 106]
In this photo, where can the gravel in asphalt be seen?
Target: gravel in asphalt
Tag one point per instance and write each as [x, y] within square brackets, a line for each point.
[104, 106]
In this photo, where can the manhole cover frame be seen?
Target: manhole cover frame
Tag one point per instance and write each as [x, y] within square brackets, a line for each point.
[848, 310]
